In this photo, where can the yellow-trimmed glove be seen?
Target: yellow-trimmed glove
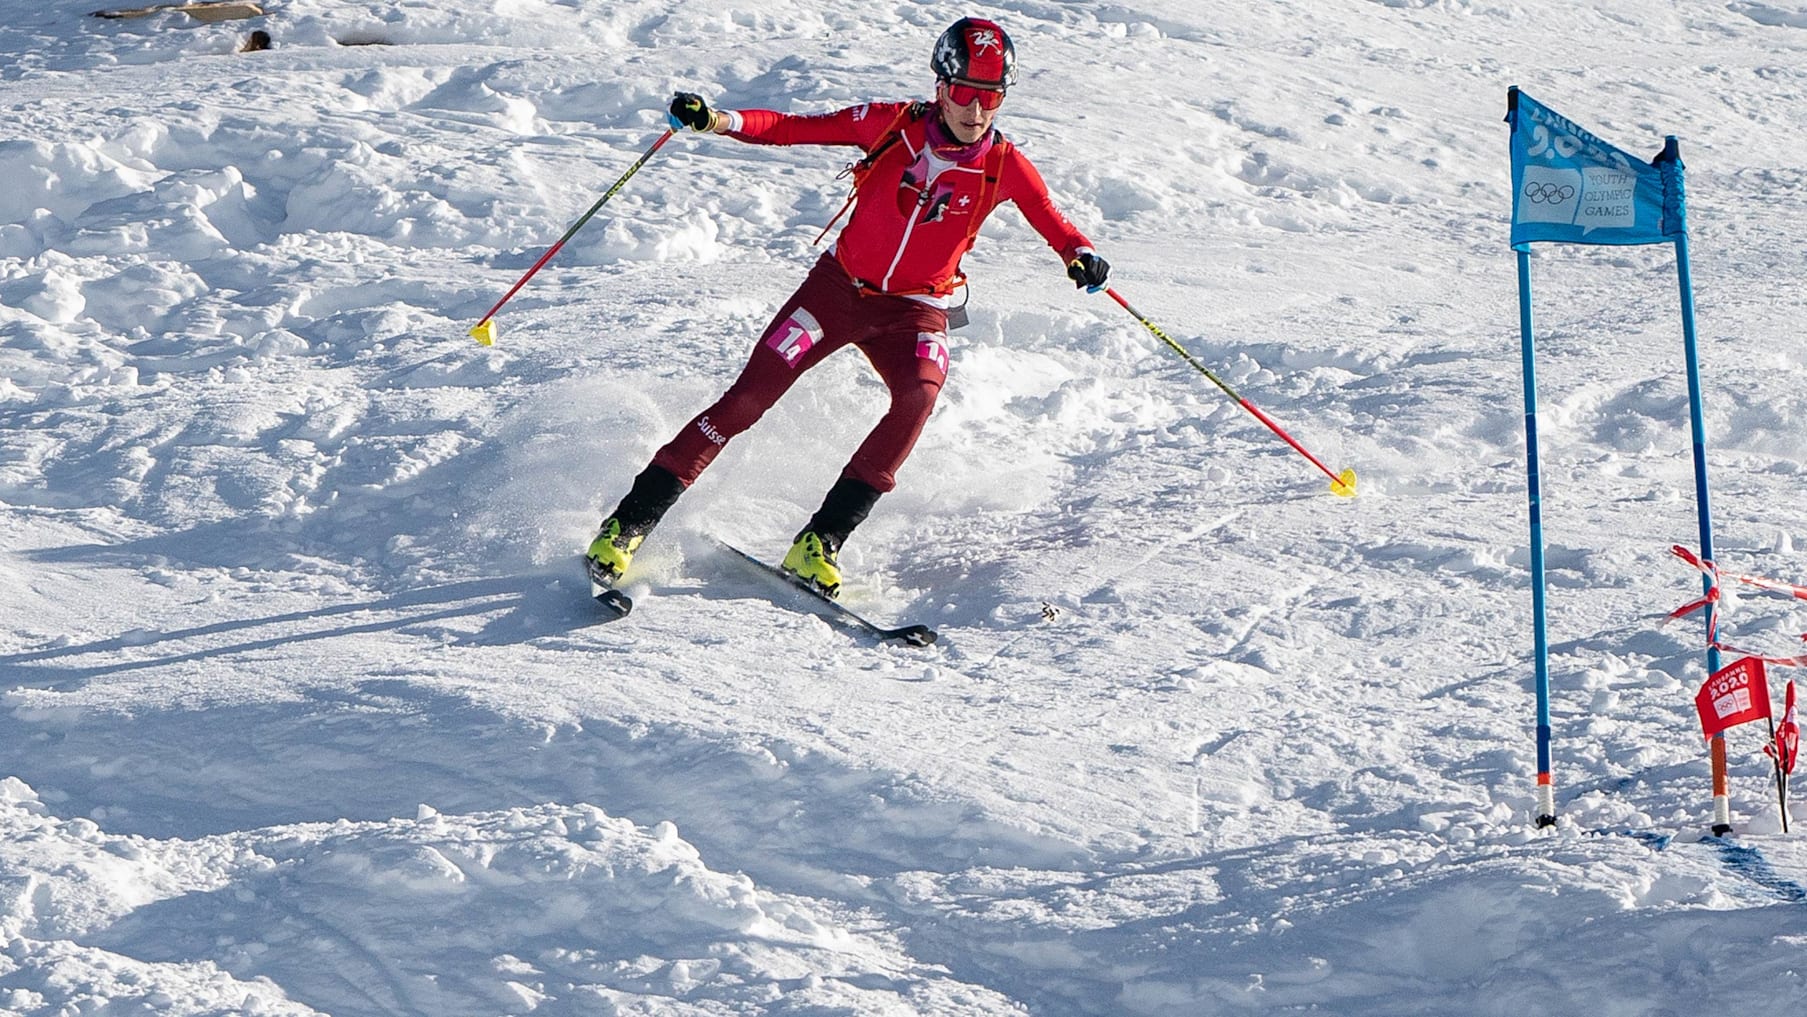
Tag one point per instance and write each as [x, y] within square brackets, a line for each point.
[1088, 271]
[689, 110]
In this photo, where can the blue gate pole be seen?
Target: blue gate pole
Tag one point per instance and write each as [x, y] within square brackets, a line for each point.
[1546, 789]
[1722, 811]
[1675, 224]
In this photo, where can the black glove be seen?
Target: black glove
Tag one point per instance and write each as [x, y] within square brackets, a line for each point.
[689, 110]
[1088, 271]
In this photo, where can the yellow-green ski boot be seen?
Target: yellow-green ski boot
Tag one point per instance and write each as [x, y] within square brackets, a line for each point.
[608, 558]
[812, 561]
[655, 490]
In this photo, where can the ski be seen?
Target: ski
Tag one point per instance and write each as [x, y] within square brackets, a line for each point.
[915, 635]
[603, 589]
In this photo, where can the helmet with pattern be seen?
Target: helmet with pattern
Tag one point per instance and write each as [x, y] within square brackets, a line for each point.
[975, 51]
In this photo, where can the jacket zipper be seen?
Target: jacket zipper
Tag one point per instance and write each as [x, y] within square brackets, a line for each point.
[910, 226]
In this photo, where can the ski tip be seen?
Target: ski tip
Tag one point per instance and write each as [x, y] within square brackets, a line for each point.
[915, 635]
[615, 601]
[484, 332]
[602, 587]
[1344, 485]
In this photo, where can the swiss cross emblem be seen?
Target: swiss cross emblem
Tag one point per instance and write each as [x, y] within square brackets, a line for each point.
[965, 200]
[984, 38]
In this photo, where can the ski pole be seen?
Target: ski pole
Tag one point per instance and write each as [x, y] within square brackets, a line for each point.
[1781, 779]
[1342, 485]
[485, 331]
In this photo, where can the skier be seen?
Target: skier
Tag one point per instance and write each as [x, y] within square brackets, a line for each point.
[931, 174]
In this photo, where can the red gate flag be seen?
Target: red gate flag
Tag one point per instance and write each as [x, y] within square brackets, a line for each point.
[1736, 694]
[1788, 735]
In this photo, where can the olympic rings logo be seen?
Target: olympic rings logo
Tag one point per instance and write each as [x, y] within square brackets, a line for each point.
[1548, 193]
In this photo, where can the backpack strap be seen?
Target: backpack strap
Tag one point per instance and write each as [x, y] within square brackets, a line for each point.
[915, 111]
[994, 170]
[858, 170]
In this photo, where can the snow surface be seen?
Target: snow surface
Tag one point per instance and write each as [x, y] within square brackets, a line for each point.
[306, 708]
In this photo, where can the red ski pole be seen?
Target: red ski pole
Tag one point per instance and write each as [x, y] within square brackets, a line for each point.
[1341, 484]
[485, 331]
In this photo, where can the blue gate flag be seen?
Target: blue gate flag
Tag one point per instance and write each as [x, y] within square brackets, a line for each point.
[1570, 187]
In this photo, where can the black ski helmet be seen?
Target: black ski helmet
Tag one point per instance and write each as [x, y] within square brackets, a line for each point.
[977, 51]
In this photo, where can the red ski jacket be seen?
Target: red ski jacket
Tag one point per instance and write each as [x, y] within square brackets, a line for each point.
[915, 215]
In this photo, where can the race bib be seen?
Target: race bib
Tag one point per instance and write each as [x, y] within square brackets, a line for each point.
[795, 336]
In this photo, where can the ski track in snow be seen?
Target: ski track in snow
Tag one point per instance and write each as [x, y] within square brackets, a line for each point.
[306, 709]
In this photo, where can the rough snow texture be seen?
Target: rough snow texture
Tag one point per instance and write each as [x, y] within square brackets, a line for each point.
[304, 708]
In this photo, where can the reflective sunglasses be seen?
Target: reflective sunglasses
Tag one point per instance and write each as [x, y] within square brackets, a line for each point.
[966, 95]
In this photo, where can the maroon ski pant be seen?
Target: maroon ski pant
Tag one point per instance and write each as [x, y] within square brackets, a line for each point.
[905, 340]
